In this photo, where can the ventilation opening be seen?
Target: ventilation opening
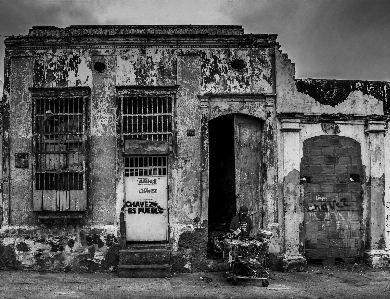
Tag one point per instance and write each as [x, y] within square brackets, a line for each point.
[238, 64]
[145, 166]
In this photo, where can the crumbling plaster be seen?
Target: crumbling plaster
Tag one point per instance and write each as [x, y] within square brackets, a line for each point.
[197, 70]
[350, 107]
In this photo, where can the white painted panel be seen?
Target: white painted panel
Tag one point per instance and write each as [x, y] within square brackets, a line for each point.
[146, 212]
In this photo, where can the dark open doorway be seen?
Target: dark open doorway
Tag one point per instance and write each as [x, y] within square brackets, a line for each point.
[222, 199]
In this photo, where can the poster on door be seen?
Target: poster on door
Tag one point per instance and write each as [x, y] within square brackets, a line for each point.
[146, 204]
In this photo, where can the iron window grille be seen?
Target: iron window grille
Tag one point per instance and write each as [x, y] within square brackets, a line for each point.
[146, 114]
[59, 135]
[145, 166]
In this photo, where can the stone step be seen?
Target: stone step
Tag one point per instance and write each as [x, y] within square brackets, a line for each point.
[144, 271]
[144, 256]
[149, 246]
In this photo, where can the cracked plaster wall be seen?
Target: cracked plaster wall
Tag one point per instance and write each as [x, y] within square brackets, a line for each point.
[196, 70]
[348, 99]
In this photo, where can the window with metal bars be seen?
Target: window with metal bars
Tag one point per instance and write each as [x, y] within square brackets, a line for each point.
[146, 113]
[59, 154]
[146, 166]
[59, 143]
[147, 117]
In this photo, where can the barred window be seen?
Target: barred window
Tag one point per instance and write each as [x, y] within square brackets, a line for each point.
[59, 145]
[146, 166]
[146, 114]
[147, 117]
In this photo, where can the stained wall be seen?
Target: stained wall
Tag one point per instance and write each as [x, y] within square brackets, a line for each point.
[201, 68]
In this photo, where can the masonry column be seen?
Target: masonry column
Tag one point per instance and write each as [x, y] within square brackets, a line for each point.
[377, 255]
[204, 165]
[293, 214]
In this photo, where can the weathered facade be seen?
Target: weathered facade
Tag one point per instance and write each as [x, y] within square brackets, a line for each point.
[140, 134]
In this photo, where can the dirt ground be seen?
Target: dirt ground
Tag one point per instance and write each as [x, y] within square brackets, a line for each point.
[352, 281]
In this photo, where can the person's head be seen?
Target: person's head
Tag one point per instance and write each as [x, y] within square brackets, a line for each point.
[243, 211]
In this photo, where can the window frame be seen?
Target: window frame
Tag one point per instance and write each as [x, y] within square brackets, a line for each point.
[61, 198]
[145, 91]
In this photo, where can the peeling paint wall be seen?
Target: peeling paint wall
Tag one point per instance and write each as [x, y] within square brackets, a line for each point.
[354, 109]
[61, 249]
[197, 68]
[197, 63]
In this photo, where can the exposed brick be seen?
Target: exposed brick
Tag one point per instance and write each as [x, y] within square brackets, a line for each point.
[308, 197]
[336, 243]
[356, 160]
[317, 178]
[355, 225]
[322, 243]
[328, 151]
[334, 141]
[306, 160]
[343, 178]
[346, 142]
[315, 152]
[357, 197]
[328, 169]
[353, 151]
[354, 187]
[352, 206]
[318, 197]
[348, 216]
[354, 169]
[341, 187]
[341, 151]
[344, 160]
[309, 244]
[321, 142]
[305, 170]
[327, 187]
[313, 188]
[331, 177]
[330, 160]
[341, 169]
[314, 169]
[317, 160]
[345, 195]
[332, 196]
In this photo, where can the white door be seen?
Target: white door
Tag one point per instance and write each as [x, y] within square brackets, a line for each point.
[146, 206]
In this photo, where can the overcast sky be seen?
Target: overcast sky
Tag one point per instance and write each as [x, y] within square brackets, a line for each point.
[331, 39]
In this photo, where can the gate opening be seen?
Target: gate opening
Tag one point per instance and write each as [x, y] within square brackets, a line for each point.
[222, 199]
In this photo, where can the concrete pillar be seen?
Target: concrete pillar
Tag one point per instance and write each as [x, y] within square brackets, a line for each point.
[102, 155]
[205, 157]
[293, 260]
[377, 255]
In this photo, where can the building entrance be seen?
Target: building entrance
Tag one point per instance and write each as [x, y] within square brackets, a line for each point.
[146, 213]
[235, 169]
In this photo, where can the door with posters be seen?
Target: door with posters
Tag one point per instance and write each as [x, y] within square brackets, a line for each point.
[146, 206]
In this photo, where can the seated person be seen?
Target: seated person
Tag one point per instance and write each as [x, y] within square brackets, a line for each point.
[241, 224]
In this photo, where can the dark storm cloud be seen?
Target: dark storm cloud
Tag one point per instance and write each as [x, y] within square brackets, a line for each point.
[346, 39]
[18, 16]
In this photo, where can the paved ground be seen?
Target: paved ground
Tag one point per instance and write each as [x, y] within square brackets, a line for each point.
[352, 282]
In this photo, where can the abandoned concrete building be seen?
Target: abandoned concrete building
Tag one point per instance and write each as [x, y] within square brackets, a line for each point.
[121, 140]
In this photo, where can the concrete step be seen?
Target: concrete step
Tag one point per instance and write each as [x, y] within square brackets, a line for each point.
[144, 256]
[144, 271]
[149, 246]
